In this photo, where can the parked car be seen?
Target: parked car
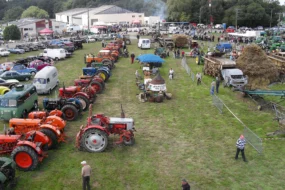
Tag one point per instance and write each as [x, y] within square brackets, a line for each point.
[38, 64]
[91, 39]
[18, 102]
[16, 50]
[77, 44]
[68, 46]
[68, 54]
[16, 75]
[24, 69]
[11, 83]
[26, 48]
[4, 52]
[46, 80]
[46, 59]
[33, 47]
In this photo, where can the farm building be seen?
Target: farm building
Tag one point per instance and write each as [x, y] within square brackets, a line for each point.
[106, 14]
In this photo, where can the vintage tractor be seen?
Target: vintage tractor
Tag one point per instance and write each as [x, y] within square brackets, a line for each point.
[109, 52]
[94, 136]
[76, 92]
[7, 173]
[91, 59]
[68, 109]
[102, 72]
[127, 39]
[94, 81]
[27, 150]
[51, 126]
[115, 44]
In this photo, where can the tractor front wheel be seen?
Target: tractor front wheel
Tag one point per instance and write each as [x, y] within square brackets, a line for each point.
[94, 140]
[52, 138]
[84, 102]
[70, 112]
[25, 157]
[131, 142]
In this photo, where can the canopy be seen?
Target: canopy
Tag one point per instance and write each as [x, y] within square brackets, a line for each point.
[150, 58]
[100, 23]
[46, 31]
[136, 22]
[99, 27]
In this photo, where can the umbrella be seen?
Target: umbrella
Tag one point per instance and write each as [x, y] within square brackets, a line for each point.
[150, 58]
[46, 31]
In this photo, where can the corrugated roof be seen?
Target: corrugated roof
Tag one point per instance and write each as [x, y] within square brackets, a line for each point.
[25, 21]
[74, 11]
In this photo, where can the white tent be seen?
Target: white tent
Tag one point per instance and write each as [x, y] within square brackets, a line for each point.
[248, 34]
[99, 23]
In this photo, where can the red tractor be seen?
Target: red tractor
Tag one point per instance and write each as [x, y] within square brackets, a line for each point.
[94, 136]
[95, 81]
[51, 126]
[27, 150]
[85, 95]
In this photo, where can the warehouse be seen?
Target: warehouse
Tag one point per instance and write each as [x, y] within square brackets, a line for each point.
[107, 14]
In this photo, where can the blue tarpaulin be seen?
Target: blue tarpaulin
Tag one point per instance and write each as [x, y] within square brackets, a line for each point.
[150, 58]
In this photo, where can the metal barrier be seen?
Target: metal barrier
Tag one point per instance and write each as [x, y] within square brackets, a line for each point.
[252, 139]
[188, 69]
[218, 103]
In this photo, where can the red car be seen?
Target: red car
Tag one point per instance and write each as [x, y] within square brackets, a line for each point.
[38, 64]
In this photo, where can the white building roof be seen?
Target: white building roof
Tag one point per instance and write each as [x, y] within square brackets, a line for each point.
[25, 21]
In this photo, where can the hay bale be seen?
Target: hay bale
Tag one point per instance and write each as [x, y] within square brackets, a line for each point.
[180, 40]
[255, 64]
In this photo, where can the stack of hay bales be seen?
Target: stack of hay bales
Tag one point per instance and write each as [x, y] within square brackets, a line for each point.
[255, 64]
[180, 40]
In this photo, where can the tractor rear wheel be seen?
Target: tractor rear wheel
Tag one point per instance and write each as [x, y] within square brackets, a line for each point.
[94, 140]
[70, 112]
[52, 138]
[25, 157]
[84, 102]
[98, 86]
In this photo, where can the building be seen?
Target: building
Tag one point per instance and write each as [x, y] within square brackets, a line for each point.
[107, 14]
[58, 27]
[151, 20]
[31, 26]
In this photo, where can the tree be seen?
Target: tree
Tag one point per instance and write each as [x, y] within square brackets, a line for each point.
[35, 12]
[13, 14]
[12, 33]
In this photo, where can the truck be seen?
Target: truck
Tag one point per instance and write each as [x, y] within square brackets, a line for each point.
[225, 68]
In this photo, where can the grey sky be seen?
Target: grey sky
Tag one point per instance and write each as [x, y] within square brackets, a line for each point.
[282, 2]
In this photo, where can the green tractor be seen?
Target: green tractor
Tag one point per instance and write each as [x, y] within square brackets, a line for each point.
[275, 46]
[161, 52]
[7, 173]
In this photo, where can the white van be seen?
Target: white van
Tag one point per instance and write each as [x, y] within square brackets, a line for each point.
[55, 54]
[46, 79]
[144, 43]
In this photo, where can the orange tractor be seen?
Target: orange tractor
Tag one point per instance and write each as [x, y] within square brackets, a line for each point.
[94, 136]
[27, 150]
[51, 126]
[103, 60]
[109, 52]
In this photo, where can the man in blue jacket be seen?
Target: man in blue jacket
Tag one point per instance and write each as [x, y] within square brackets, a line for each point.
[240, 147]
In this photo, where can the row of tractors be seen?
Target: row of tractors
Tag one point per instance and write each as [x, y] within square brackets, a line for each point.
[28, 140]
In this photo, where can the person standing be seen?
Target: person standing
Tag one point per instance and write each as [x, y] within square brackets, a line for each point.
[213, 84]
[85, 173]
[217, 84]
[138, 36]
[182, 54]
[124, 44]
[178, 53]
[185, 185]
[132, 58]
[199, 78]
[103, 43]
[240, 144]
[171, 72]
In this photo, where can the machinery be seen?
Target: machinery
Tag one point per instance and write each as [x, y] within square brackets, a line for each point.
[161, 52]
[94, 136]
[91, 59]
[68, 109]
[77, 92]
[7, 173]
[27, 150]
[94, 81]
[127, 39]
[102, 72]
[111, 54]
[51, 126]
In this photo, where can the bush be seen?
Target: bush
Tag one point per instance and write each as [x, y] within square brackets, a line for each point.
[12, 33]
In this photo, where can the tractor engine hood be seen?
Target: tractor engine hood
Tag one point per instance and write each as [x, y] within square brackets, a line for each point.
[118, 120]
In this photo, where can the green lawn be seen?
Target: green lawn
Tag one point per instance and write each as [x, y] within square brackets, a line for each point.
[185, 137]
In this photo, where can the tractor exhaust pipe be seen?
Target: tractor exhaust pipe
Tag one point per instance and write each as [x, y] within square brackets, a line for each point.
[122, 112]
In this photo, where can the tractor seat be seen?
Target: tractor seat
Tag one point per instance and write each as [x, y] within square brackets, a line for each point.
[71, 89]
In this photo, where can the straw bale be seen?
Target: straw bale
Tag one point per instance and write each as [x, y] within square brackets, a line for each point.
[180, 40]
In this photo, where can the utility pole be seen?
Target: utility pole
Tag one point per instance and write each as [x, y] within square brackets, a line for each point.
[211, 17]
[271, 17]
[88, 22]
[237, 10]
[200, 15]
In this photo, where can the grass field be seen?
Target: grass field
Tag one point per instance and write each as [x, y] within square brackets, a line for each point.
[185, 137]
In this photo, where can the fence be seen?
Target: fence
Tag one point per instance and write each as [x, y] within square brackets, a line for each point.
[188, 69]
[218, 103]
[252, 139]
[249, 135]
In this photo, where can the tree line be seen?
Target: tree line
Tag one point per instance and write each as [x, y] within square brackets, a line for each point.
[248, 12]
